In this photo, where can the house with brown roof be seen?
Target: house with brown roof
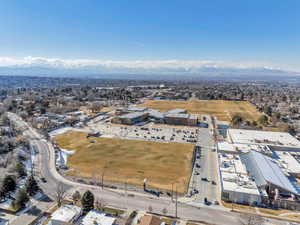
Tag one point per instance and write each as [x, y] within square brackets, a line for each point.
[149, 220]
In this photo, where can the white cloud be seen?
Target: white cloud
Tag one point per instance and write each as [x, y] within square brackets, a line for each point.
[137, 66]
[40, 61]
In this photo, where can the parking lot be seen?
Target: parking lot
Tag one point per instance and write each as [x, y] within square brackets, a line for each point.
[149, 132]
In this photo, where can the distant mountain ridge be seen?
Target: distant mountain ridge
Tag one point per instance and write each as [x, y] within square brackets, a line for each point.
[101, 71]
[156, 69]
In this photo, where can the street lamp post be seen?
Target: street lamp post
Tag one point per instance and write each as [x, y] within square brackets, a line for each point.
[172, 192]
[176, 204]
[102, 177]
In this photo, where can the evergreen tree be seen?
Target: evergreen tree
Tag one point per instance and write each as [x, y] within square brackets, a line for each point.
[237, 119]
[87, 201]
[2, 195]
[263, 120]
[31, 186]
[76, 196]
[21, 199]
[291, 130]
[9, 184]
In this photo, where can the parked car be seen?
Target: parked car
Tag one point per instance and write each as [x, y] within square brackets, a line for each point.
[206, 201]
[204, 179]
[214, 182]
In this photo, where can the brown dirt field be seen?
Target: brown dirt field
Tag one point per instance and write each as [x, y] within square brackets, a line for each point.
[221, 109]
[129, 161]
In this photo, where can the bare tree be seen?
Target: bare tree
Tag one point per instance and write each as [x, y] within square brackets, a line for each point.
[251, 219]
[100, 204]
[60, 193]
[76, 197]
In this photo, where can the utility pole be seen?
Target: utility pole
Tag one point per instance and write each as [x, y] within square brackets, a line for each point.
[102, 179]
[176, 204]
[172, 192]
[125, 194]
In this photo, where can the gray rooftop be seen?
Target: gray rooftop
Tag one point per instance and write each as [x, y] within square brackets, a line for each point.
[176, 111]
[132, 115]
[137, 108]
[177, 115]
[265, 170]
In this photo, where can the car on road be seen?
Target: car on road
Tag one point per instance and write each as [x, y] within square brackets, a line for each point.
[204, 179]
[216, 202]
[43, 179]
[197, 165]
[206, 202]
[197, 173]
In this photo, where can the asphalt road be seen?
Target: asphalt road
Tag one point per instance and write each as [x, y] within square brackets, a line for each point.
[46, 168]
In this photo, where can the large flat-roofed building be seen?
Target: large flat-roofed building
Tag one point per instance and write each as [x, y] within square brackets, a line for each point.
[136, 109]
[279, 141]
[131, 118]
[236, 148]
[156, 116]
[288, 163]
[268, 175]
[236, 185]
[176, 111]
[133, 114]
[181, 119]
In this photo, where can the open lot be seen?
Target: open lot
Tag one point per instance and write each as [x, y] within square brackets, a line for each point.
[129, 161]
[221, 109]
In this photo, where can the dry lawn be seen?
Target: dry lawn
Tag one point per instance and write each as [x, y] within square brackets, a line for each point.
[129, 160]
[221, 109]
[107, 108]
[275, 212]
[238, 206]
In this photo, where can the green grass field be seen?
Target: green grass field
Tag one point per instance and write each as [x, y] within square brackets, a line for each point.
[129, 161]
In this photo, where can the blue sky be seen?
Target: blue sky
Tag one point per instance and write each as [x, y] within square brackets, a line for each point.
[235, 31]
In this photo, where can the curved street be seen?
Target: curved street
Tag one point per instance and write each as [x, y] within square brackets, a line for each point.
[45, 167]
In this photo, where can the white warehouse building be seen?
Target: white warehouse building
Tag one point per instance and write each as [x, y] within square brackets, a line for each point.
[236, 185]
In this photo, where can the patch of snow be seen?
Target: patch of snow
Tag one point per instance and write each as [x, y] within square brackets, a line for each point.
[62, 156]
[38, 196]
[62, 130]
[28, 165]
[107, 136]
[28, 206]
[6, 204]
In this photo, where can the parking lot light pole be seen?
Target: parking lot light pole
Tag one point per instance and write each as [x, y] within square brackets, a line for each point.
[102, 178]
[176, 203]
[172, 192]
